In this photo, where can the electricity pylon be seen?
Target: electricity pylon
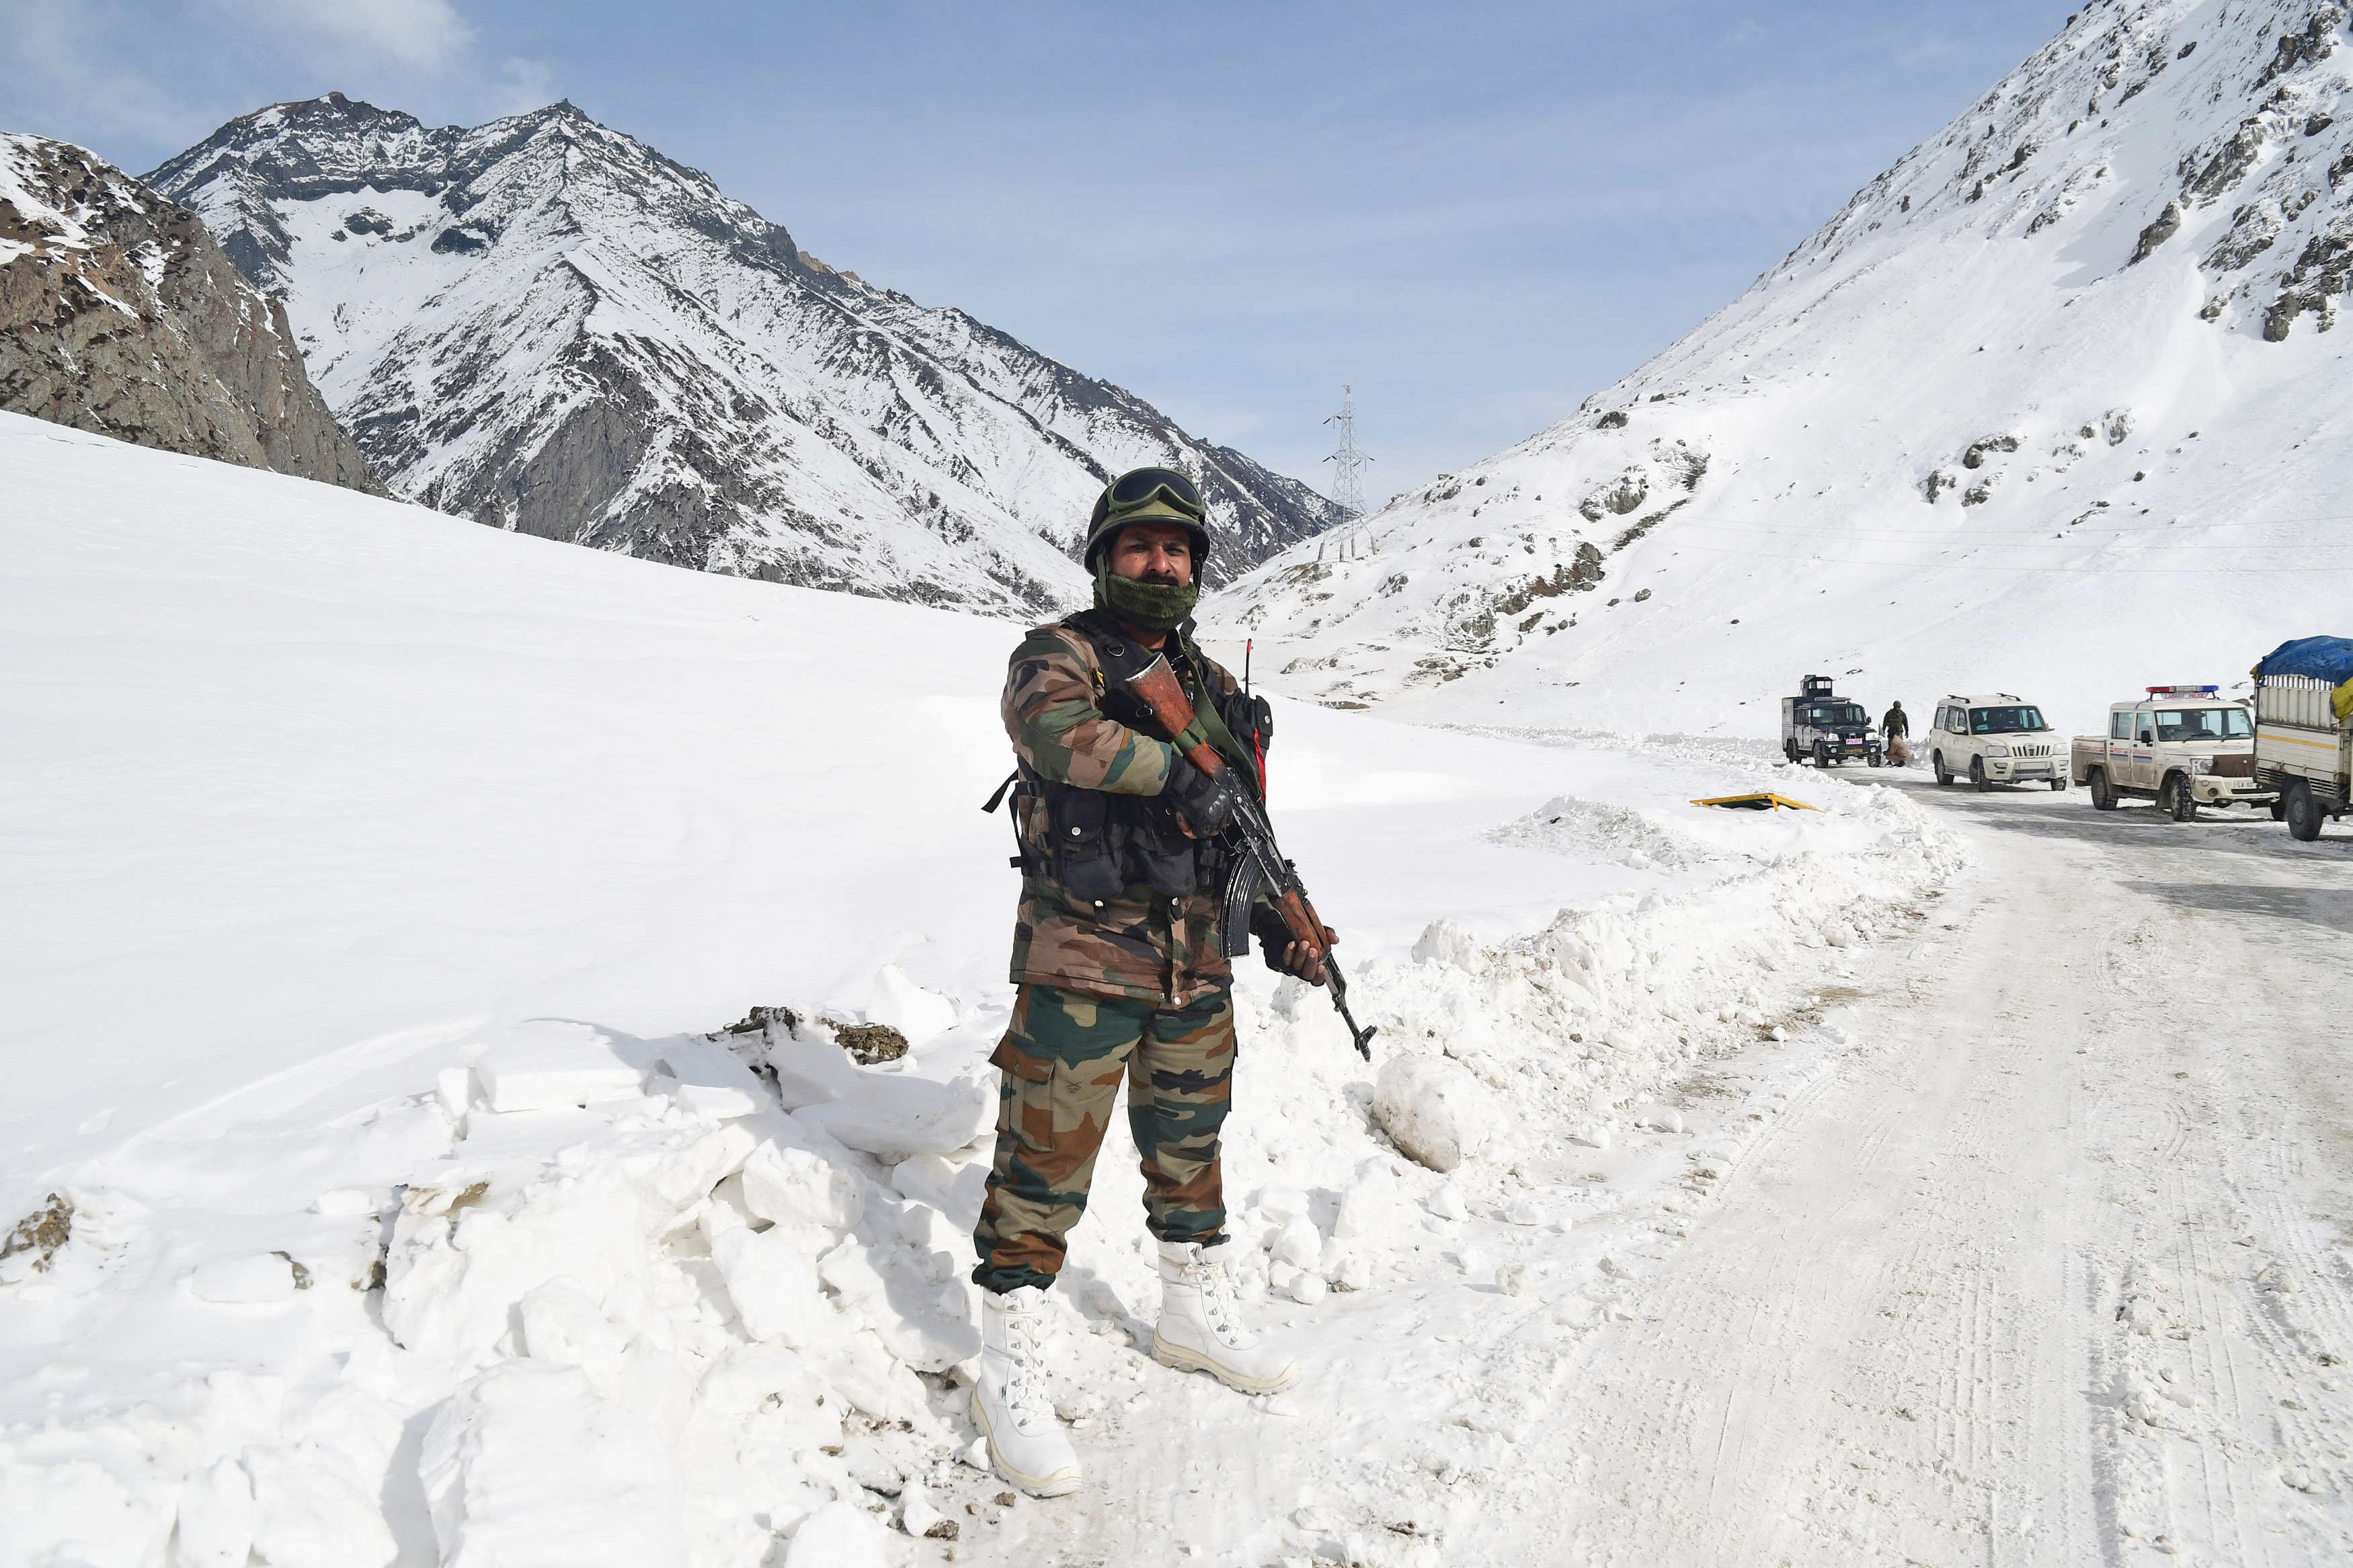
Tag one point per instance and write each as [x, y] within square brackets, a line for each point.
[1347, 483]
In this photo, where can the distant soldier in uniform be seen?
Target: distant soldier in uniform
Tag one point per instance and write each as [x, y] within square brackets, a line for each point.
[1895, 728]
[1121, 966]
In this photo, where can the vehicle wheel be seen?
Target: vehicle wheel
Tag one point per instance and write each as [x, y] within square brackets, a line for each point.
[2279, 809]
[1977, 779]
[2303, 812]
[2058, 784]
[1944, 773]
[1821, 755]
[2175, 799]
[2103, 797]
[1874, 759]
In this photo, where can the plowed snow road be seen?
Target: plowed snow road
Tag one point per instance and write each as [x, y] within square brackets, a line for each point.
[2055, 1273]
[2042, 1262]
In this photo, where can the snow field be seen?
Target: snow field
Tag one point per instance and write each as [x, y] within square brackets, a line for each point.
[378, 877]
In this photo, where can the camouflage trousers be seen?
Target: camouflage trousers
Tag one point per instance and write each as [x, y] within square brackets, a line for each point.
[1062, 1057]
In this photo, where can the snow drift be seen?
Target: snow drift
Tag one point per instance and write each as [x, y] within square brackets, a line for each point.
[407, 1175]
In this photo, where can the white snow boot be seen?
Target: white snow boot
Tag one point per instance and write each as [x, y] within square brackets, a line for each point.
[1010, 1404]
[1201, 1327]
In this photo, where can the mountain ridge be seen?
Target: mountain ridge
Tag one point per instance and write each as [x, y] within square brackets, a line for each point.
[2077, 338]
[545, 324]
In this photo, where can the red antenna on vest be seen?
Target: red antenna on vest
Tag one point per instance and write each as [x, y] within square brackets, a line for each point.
[1257, 752]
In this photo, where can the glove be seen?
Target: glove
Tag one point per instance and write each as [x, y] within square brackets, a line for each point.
[1274, 941]
[1251, 722]
[1207, 800]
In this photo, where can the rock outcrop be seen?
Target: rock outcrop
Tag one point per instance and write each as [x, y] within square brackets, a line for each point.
[120, 314]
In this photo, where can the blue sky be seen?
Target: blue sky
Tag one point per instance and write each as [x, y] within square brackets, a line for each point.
[1477, 213]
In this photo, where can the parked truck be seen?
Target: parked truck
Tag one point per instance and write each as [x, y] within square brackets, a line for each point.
[1822, 727]
[2180, 746]
[2304, 730]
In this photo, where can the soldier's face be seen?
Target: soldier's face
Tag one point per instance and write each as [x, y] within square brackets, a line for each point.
[1154, 552]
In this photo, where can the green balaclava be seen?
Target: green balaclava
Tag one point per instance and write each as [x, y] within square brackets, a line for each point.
[1153, 607]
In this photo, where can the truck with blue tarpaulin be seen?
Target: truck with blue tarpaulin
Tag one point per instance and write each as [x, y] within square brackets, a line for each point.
[2304, 740]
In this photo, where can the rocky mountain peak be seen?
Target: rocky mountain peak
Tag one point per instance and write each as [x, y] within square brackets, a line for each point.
[546, 324]
[120, 314]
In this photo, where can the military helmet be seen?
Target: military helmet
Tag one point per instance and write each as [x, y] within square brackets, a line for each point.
[1148, 495]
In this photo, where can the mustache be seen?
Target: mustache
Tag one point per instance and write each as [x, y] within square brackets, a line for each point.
[1160, 577]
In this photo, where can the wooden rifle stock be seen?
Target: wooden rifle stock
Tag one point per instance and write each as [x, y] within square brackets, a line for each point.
[1156, 685]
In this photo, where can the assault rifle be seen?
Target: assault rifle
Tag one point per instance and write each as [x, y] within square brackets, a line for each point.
[1146, 674]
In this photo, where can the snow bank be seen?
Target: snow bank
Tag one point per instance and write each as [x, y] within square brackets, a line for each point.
[393, 873]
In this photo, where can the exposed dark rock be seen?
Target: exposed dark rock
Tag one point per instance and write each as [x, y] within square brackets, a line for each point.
[2253, 227]
[869, 1043]
[126, 318]
[2229, 163]
[1978, 451]
[2164, 226]
[38, 1235]
[1576, 575]
[2322, 271]
[1613, 420]
[2317, 41]
[759, 1020]
[1620, 496]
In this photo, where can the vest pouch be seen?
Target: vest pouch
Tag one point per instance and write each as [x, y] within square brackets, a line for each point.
[1163, 858]
[1084, 861]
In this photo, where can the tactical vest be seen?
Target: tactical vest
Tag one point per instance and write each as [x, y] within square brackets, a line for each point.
[1105, 842]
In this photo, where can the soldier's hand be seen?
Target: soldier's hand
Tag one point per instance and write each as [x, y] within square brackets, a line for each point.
[1304, 962]
[1207, 800]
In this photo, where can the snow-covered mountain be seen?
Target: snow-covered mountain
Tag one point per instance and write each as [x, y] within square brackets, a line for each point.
[2053, 405]
[547, 326]
[119, 314]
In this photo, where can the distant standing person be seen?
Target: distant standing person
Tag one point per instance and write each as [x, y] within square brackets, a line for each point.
[1895, 728]
[1119, 954]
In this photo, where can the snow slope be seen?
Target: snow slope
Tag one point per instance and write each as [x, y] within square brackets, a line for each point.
[547, 326]
[374, 879]
[1959, 440]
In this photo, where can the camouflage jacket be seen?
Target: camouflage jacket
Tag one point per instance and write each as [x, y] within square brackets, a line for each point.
[1138, 945]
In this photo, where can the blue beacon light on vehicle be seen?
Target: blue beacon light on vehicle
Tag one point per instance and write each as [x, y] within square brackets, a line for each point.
[2183, 690]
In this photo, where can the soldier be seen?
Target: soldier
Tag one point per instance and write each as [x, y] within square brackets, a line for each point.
[1895, 728]
[1120, 968]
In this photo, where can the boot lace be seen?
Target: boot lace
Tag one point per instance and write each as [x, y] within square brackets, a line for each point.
[1220, 1303]
[1025, 1387]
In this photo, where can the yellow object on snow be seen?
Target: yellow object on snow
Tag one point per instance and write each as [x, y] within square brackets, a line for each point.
[1765, 802]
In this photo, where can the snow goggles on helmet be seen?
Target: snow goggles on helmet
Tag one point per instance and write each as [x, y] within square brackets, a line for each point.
[1139, 488]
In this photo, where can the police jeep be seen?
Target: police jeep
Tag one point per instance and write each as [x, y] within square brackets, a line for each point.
[1822, 727]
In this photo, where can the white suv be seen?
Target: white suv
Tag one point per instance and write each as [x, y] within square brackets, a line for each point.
[1998, 738]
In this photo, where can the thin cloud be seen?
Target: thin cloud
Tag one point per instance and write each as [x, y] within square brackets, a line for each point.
[137, 82]
[426, 35]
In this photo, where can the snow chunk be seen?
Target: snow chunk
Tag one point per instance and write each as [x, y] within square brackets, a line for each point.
[1436, 1111]
[773, 1284]
[547, 1063]
[711, 1079]
[838, 1535]
[527, 1467]
[245, 1281]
